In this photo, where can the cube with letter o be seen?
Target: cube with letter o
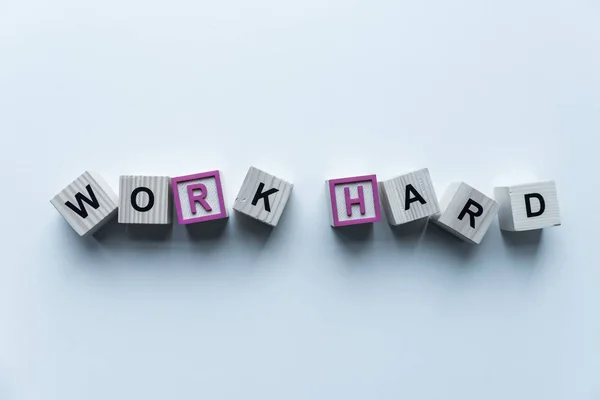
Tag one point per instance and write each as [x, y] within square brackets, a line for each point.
[145, 200]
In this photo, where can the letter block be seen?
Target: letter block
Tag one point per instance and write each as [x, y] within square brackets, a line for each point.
[466, 212]
[409, 197]
[263, 196]
[199, 197]
[527, 207]
[87, 203]
[353, 200]
[145, 200]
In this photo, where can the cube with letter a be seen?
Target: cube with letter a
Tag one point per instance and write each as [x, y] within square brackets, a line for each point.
[199, 197]
[353, 201]
[409, 197]
[87, 203]
[527, 207]
[466, 212]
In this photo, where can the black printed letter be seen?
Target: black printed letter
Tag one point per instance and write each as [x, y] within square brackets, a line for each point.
[92, 201]
[528, 198]
[134, 203]
[472, 214]
[265, 196]
[417, 197]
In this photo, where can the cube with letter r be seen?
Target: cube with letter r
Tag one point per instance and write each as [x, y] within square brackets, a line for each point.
[87, 203]
[466, 212]
[199, 197]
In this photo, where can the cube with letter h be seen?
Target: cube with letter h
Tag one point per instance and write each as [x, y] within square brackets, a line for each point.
[199, 197]
[263, 196]
[353, 200]
[466, 212]
[87, 203]
[527, 207]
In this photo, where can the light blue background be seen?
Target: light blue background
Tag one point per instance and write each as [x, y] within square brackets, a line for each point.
[488, 92]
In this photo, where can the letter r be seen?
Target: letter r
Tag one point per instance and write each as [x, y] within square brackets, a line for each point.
[198, 197]
[472, 213]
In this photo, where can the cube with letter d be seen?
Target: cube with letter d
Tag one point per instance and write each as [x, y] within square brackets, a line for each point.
[353, 200]
[199, 197]
[528, 207]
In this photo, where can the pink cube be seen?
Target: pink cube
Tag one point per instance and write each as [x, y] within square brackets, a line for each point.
[199, 197]
[353, 200]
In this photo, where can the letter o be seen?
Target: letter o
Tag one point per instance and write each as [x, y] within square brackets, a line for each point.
[134, 195]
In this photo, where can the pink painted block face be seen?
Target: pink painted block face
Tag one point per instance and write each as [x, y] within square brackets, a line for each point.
[354, 200]
[199, 197]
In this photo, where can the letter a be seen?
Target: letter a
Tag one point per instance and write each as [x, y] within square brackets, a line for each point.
[417, 197]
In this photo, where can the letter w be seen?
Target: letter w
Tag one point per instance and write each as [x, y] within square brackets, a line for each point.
[92, 201]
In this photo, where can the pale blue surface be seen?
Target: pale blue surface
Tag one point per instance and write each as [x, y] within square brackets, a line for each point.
[487, 92]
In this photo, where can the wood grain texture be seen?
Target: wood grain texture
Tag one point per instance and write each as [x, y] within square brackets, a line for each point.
[87, 218]
[453, 203]
[209, 206]
[361, 212]
[393, 196]
[513, 206]
[329, 207]
[276, 201]
[160, 212]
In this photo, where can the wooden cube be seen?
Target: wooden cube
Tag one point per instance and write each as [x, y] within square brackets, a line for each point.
[527, 207]
[87, 203]
[263, 196]
[353, 200]
[466, 212]
[199, 197]
[409, 197]
[145, 200]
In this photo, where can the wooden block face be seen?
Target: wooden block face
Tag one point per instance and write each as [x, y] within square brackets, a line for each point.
[527, 207]
[199, 197]
[263, 196]
[145, 200]
[466, 212]
[353, 200]
[87, 203]
[409, 197]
